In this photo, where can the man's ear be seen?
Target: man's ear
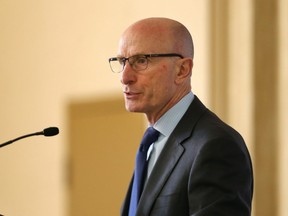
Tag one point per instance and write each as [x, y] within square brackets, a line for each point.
[185, 70]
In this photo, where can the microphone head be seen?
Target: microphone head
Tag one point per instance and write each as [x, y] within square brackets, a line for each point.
[51, 131]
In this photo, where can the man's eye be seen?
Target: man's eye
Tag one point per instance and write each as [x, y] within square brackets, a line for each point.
[141, 60]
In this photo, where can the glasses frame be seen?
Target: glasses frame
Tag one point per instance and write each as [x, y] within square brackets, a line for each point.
[124, 59]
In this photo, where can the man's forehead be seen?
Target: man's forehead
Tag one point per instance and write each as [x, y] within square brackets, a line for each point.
[141, 43]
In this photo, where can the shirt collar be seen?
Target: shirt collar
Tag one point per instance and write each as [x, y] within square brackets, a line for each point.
[166, 124]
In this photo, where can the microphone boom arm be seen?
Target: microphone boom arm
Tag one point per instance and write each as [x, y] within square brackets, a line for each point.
[46, 132]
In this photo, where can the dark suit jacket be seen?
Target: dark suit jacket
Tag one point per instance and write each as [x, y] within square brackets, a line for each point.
[203, 170]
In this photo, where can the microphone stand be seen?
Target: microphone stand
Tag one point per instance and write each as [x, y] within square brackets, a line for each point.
[51, 131]
[21, 137]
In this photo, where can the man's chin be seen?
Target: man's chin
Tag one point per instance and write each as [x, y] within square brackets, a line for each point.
[131, 108]
[134, 110]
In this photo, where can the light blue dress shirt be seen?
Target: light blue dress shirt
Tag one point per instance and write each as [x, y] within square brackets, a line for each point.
[165, 125]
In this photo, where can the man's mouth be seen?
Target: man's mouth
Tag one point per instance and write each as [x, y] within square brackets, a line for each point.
[131, 94]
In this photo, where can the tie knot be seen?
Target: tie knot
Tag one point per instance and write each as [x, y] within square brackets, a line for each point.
[150, 136]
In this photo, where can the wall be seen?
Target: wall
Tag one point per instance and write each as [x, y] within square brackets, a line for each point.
[283, 107]
[52, 53]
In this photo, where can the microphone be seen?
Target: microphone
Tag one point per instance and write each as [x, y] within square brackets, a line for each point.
[51, 131]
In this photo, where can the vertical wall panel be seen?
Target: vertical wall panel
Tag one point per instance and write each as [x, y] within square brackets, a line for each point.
[103, 138]
[265, 106]
[219, 55]
[283, 107]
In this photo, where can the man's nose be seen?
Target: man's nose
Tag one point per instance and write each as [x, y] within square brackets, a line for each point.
[128, 74]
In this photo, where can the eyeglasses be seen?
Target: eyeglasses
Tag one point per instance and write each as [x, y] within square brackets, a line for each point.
[137, 62]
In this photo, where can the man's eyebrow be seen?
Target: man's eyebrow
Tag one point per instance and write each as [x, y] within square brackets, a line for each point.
[136, 54]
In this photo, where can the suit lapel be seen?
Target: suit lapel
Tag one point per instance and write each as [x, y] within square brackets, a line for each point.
[161, 172]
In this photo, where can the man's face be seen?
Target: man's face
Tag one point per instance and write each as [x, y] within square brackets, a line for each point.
[152, 90]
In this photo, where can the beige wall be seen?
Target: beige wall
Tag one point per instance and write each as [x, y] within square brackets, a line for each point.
[54, 52]
[283, 107]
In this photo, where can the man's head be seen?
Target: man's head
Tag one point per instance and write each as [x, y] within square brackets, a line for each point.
[163, 32]
[154, 89]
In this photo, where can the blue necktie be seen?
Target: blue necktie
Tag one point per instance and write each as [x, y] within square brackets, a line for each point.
[150, 136]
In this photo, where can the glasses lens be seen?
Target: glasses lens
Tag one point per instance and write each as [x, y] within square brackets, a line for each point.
[139, 62]
[116, 64]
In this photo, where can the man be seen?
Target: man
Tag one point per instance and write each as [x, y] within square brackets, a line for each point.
[198, 165]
